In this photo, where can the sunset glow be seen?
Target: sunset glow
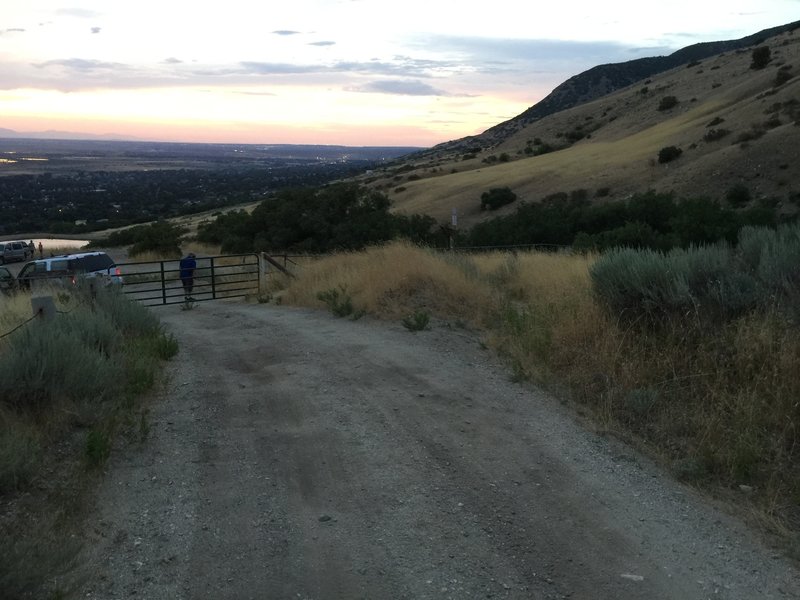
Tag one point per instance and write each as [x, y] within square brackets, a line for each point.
[325, 71]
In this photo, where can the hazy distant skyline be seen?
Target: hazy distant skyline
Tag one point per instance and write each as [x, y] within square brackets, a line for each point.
[350, 72]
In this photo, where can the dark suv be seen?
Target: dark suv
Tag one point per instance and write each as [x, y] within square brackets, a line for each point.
[70, 268]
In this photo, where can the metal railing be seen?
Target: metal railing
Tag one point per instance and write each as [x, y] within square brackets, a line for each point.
[158, 283]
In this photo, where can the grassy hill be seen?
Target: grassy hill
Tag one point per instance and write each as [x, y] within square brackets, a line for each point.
[735, 125]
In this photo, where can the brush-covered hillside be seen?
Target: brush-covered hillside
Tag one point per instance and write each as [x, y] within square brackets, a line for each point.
[703, 128]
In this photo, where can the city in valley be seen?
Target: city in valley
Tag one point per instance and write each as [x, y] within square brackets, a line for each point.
[72, 187]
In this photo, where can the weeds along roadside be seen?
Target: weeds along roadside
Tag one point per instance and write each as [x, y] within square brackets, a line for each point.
[710, 390]
[70, 386]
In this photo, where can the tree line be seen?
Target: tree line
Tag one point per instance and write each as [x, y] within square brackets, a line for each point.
[347, 216]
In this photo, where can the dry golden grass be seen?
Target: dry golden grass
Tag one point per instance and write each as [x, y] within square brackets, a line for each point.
[393, 281]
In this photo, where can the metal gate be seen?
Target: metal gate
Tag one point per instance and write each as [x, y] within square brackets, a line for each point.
[158, 283]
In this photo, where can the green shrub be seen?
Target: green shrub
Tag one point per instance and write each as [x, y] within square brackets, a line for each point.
[49, 362]
[162, 237]
[761, 57]
[130, 317]
[667, 102]
[715, 134]
[779, 262]
[417, 321]
[710, 283]
[633, 283]
[82, 356]
[738, 195]
[602, 192]
[782, 77]
[338, 301]
[497, 197]
[699, 283]
[668, 154]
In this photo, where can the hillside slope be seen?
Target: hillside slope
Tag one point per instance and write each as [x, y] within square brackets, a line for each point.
[734, 124]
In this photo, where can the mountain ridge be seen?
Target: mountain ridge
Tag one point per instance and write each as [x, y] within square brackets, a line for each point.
[727, 120]
[604, 79]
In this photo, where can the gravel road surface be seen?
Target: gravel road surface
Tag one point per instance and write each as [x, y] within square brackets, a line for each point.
[296, 455]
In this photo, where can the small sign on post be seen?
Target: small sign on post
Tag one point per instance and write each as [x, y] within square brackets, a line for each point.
[453, 226]
[43, 306]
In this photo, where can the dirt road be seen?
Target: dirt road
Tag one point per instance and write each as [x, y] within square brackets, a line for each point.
[295, 455]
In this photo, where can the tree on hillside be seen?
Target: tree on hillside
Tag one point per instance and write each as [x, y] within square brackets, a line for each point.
[761, 57]
[343, 216]
[497, 197]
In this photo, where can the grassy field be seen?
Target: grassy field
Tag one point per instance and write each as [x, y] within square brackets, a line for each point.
[714, 402]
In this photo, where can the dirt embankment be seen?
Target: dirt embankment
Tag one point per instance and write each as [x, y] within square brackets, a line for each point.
[294, 455]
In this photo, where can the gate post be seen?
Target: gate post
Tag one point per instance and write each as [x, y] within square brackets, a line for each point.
[213, 281]
[163, 285]
[262, 272]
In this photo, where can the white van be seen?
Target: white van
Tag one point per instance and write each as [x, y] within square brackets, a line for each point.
[14, 251]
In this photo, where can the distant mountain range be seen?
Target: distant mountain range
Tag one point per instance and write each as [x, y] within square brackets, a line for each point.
[52, 134]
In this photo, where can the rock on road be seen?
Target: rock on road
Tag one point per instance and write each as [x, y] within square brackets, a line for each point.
[296, 455]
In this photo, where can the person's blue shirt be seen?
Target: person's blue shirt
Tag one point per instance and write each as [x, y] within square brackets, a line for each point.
[187, 265]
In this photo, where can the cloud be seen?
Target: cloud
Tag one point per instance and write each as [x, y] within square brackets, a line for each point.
[265, 68]
[12, 30]
[80, 13]
[96, 29]
[245, 93]
[322, 43]
[498, 55]
[400, 88]
[82, 65]
[285, 32]
[172, 61]
[397, 68]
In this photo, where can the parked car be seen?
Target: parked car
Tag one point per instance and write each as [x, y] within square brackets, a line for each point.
[8, 282]
[14, 251]
[69, 268]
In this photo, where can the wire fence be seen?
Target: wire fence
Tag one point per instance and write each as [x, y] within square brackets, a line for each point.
[36, 315]
[39, 311]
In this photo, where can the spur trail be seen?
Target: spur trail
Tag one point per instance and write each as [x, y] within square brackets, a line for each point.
[295, 455]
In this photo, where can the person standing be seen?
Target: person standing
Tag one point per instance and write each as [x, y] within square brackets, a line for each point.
[187, 266]
[41, 250]
[32, 248]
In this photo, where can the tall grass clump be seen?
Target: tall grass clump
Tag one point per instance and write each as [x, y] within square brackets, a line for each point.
[393, 281]
[541, 304]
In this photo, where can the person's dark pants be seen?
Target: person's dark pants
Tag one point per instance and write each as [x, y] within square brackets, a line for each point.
[188, 285]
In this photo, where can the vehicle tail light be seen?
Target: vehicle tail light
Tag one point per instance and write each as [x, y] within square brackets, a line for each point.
[117, 271]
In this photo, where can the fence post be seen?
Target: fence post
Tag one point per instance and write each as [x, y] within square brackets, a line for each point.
[44, 306]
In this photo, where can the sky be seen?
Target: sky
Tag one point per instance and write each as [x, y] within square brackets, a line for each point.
[349, 72]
